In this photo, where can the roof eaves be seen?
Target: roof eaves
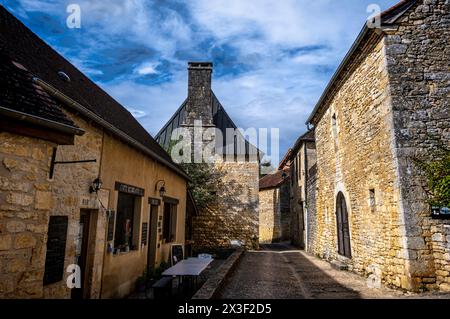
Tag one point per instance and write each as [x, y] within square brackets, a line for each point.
[388, 17]
[91, 115]
[60, 127]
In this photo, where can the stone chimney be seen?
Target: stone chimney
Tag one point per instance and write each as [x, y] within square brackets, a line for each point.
[199, 104]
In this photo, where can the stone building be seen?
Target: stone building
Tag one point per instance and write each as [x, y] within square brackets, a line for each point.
[233, 217]
[64, 136]
[274, 210]
[387, 104]
[302, 157]
[28, 134]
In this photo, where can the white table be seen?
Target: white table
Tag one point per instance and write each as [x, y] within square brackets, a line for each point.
[188, 270]
[188, 267]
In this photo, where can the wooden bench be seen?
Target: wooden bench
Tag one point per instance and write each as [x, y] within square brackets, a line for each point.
[163, 287]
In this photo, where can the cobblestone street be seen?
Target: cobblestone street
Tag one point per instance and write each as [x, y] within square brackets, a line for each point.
[279, 271]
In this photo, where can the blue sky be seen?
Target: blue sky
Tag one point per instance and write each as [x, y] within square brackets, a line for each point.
[272, 58]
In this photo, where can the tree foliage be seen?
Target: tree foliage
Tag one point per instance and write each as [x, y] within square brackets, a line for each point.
[202, 184]
[204, 181]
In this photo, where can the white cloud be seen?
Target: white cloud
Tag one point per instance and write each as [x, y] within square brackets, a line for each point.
[147, 68]
[287, 47]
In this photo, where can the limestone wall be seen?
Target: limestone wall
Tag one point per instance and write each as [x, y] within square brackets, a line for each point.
[418, 55]
[354, 156]
[70, 194]
[269, 216]
[235, 215]
[311, 236]
[25, 204]
[285, 213]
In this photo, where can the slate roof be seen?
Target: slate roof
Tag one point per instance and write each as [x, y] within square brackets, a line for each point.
[20, 95]
[221, 120]
[274, 180]
[41, 60]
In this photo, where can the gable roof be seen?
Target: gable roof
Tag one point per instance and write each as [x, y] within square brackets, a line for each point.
[309, 136]
[274, 180]
[388, 17]
[285, 162]
[221, 120]
[23, 100]
[44, 63]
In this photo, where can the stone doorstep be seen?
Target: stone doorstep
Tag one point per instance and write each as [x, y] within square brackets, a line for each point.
[212, 286]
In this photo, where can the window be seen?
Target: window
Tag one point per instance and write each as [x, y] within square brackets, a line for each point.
[127, 222]
[372, 201]
[169, 222]
[334, 123]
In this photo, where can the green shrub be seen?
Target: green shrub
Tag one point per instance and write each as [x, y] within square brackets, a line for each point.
[437, 175]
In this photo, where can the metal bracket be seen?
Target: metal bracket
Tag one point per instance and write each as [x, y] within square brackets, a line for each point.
[54, 162]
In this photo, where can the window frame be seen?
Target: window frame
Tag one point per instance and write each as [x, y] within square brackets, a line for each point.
[134, 242]
[170, 220]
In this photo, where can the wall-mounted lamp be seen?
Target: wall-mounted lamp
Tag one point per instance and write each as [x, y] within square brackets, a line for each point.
[162, 189]
[96, 186]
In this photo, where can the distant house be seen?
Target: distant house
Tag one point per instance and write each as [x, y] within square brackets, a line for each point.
[387, 105]
[287, 196]
[233, 218]
[274, 211]
[302, 159]
[82, 182]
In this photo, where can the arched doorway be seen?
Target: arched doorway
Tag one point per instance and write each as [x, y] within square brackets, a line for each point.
[343, 231]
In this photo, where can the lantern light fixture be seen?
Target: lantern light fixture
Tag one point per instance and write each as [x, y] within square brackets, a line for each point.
[96, 186]
[162, 189]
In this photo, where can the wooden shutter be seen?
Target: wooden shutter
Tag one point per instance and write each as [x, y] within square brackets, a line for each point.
[173, 222]
[56, 249]
[346, 230]
[340, 235]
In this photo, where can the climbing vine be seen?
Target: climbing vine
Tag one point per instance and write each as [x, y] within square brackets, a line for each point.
[204, 181]
[437, 176]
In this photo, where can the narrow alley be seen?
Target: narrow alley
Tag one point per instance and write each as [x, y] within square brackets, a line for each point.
[279, 271]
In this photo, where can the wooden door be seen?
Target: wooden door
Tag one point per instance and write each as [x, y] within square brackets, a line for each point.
[82, 252]
[343, 229]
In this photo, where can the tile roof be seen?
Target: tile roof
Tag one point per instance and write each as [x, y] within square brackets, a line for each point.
[274, 180]
[41, 60]
[19, 94]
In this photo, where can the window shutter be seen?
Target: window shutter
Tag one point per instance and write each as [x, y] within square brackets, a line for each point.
[173, 221]
[56, 249]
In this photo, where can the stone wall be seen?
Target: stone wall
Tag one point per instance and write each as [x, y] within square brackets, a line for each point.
[311, 213]
[235, 214]
[418, 58]
[25, 204]
[70, 194]
[285, 211]
[354, 157]
[269, 216]
[302, 162]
